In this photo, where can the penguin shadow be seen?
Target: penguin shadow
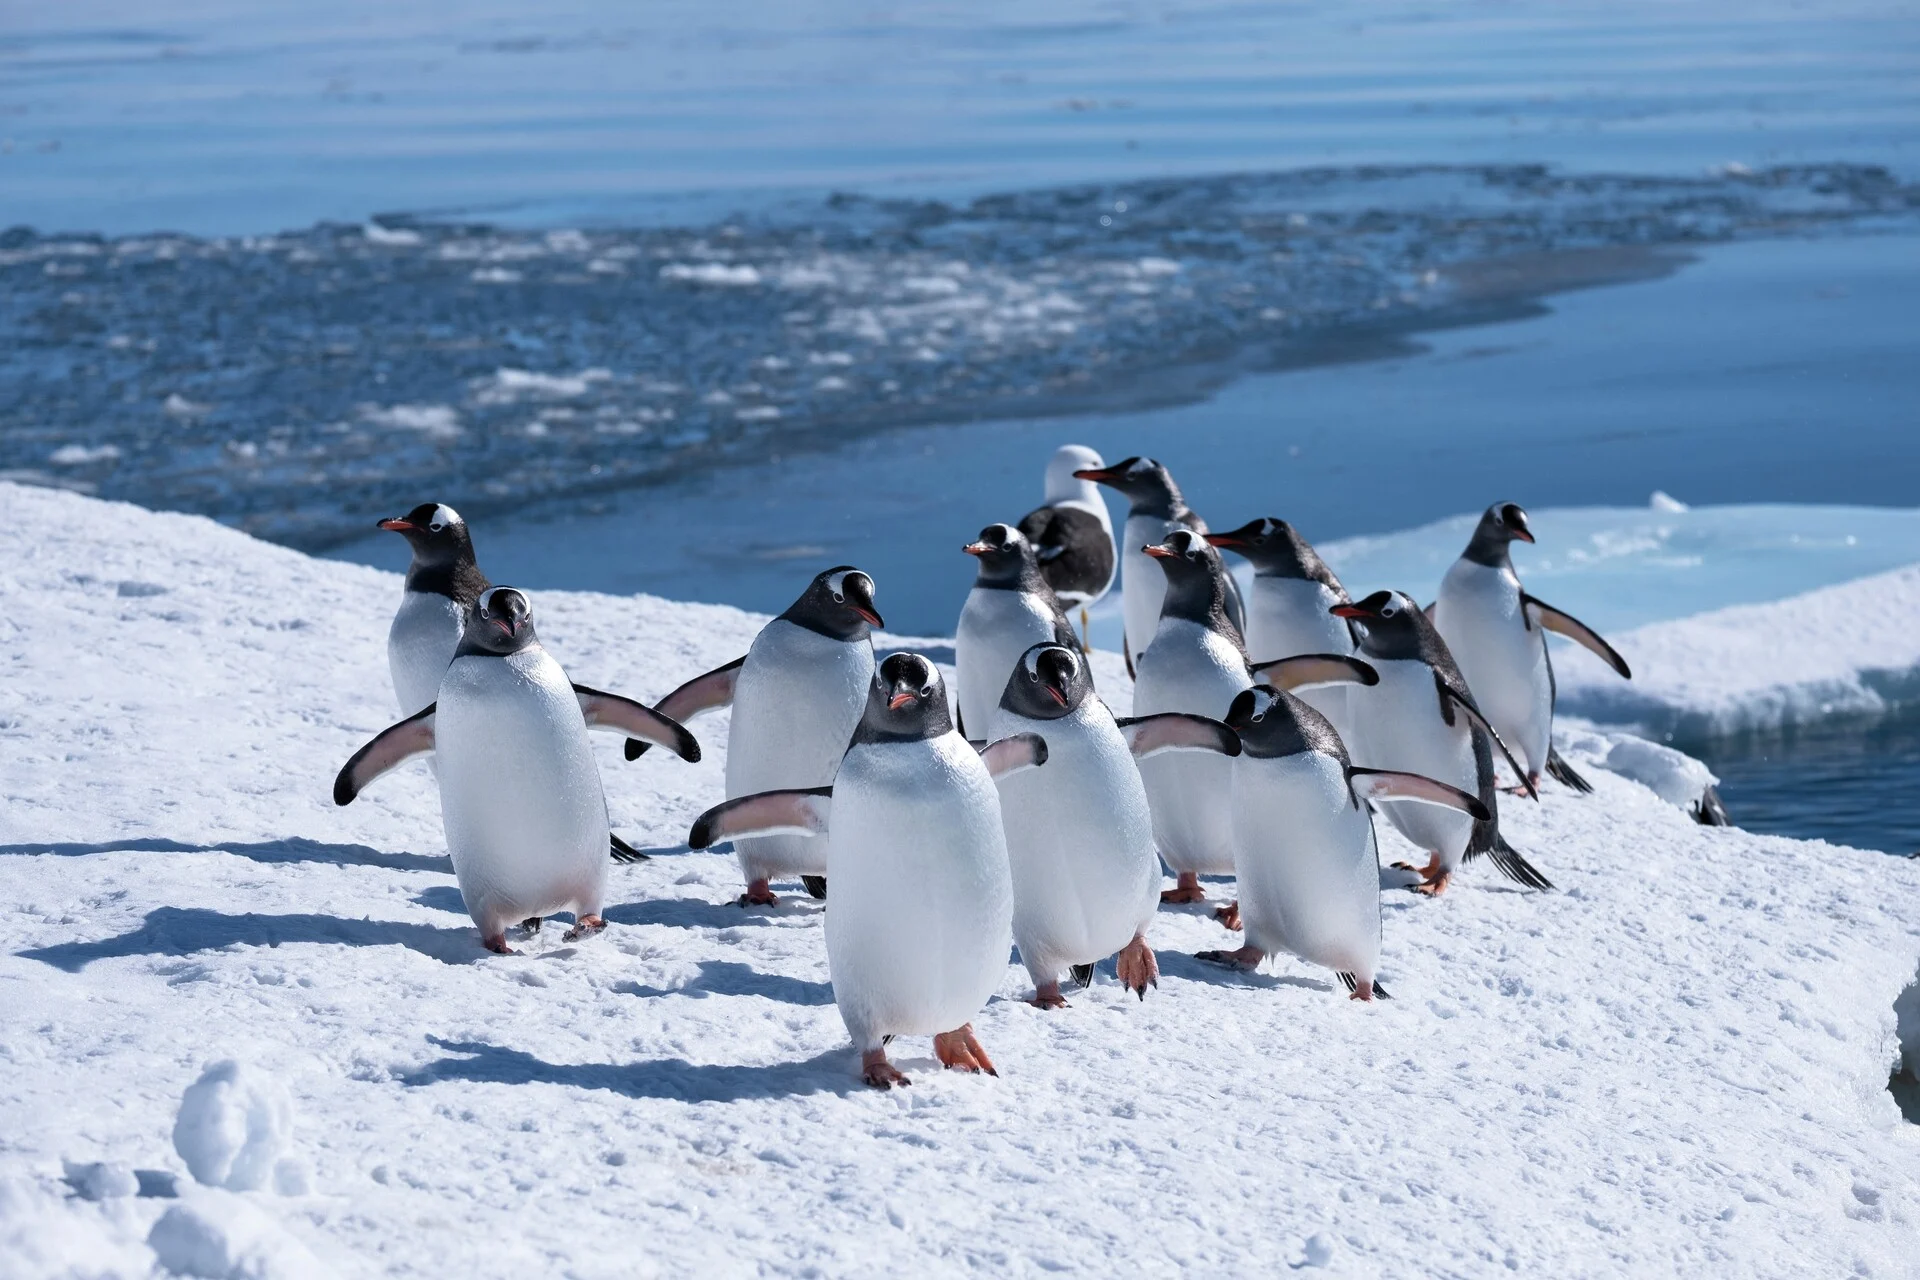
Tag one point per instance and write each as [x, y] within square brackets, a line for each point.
[1179, 964]
[182, 931]
[441, 897]
[702, 913]
[472, 1061]
[292, 849]
[730, 978]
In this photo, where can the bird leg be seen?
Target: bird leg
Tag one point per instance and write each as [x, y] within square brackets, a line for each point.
[497, 943]
[1433, 877]
[1137, 968]
[878, 1072]
[585, 927]
[1245, 960]
[759, 894]
[1229, 915]
[1187, 889]
[1047, 996]
[1362, 989]
[1086, 645]
[960, 1049]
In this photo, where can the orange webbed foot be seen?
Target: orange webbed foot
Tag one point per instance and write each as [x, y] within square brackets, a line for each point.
[959, 1050]
[1137, 968]
[585, 927]
[759, 894]
[878, 1072]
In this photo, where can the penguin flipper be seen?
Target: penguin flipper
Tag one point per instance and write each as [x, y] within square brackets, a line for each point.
[770, 813]
[1314, 671]
[1572, 628]
[1176, 731]
[390, 748]
[1012, 754]
[702, 693]
[611, 711]
[1388, 784]
[1514, 866]
[1459, 698]
[1562, 772]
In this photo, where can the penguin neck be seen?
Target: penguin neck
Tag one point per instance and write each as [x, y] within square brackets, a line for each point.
[469, 649]
[1290, 728]
[1490, 546]
[1293, 558]
[835, 624]
[924, 721]
[1009, 572]
[1399, 640]
[1201, 598]
[1164, 503]
[458, 577]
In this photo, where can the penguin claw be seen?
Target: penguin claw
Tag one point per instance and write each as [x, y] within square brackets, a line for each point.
[758, 894]
[1229, 915]
[498, 945]
[585, 927]
[1186, 889]
[1048, 997]
[959, 1050]
[1137, 967]
[1239, 961]
[1433, 886]
[878, 1072]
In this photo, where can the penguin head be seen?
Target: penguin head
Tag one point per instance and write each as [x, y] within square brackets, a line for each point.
[499, 621]
[436, 533]
[1196, 581]
[1006, 557]
[1063, 471]
[1272, 723]
[1186, 556]
[1495, 534]
[1389, 623]
[837, 603]
[1144, 482]
[906, 702]
[1048, 682]
[1274, 549]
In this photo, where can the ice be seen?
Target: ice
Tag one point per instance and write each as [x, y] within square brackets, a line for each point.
[234, 1126]
[1672, 775]
[221, 1236]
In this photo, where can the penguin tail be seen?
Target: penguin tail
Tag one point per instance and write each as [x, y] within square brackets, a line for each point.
[620, 851]
[816, 887]
[1082, 975]
[1514, 866]
[1353, 984]
[1562, 772]
[1709, 812]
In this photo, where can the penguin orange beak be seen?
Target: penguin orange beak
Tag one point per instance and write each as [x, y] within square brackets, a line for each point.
[872, 618]
[899, 700]
[1522, 534]
[1161, 552]
[1055, 693]
[976, 548]
[396, 524]
[1233, 540]
[1349, 611]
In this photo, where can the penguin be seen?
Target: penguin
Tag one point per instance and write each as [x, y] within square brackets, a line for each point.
[1010, 609]
[922, 911]
[1497, 633]
[1156, 510]
[520, 796]
[442, 583]
[797, 696]
[1196, 665]
[1086, 881]
[1305, 857]
[1071, 533]
[1288, 608]
[1421, 719]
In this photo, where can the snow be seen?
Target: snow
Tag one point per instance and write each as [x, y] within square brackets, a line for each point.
[234, 1125]
[1676, 1063]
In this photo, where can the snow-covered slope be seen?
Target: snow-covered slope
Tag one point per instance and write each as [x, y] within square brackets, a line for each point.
[1677, 1063]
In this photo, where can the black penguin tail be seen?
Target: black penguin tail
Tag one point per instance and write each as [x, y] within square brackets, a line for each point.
[1082, 975]
[620, 851]
[1353, 984]
[816, 887]
[1514, 866]
[1709, 812]
[1562, 772]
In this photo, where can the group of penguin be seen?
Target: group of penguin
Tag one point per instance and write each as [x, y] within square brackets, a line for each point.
[1268, 732]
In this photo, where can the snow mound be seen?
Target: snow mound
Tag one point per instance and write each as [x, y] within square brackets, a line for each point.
[222, 1237]
[44, 1236]
[234, 1126]
[101, 1179]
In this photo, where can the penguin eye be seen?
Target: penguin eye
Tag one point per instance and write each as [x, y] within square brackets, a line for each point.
[1388, 610]
[437, 526]
[839, 598]
[1033, 676]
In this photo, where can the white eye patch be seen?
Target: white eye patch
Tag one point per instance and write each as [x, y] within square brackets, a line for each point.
[443, 516]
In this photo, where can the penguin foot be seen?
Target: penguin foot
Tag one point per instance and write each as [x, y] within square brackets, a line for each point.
[1048, 997]
[497, 943]
[1186, 889]
[1245, 960]
[1137, 968]
[1434, 885]
[878, 1072]
[531, 925]
[1229, 915]
[585, 927]
[759, 894]
[1530, 787]
[959, 1050]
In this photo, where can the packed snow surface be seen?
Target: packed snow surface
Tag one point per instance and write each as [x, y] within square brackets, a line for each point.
[1676, 1063]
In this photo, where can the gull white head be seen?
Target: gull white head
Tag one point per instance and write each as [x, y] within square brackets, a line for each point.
[1063, 486]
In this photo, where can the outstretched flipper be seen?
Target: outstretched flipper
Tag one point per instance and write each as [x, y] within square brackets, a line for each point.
[1012, 754]
[1562, 772]
[702, 693]
[1176, 731]
[611, 711]
[1451, 697]
[1565, 624]
[769, 813]
[620, 851]
[1314, 671]
[391, 748]
[1387, 784]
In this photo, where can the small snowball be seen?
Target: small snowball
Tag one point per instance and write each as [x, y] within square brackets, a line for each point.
[1672, 775]
[234, 1125]
[1319, 1251]
[222, 1237]
[104, 1180]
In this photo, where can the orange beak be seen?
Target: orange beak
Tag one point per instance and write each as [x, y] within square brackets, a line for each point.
[899, 700]
[1159, 552]
[976, 548]
[1349, 611]
[396, 524]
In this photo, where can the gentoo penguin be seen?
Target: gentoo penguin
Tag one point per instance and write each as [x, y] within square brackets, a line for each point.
[1497, 633]
[1305, 859]
[1421, 719]
[520, 796]
[922, 908]
[1288, 609]
[1010, 609]
[1196, 665]
[1086, 882]
[442, 582]
[1072, 534]
[1156, 510]
[797, 696]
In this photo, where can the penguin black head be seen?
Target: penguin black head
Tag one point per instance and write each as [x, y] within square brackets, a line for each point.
[907, 702]
[1007, 559]
[1144, 482]
[1494, 535]
[442, 552]
[499, 622]
[1196, 581]
[1048, 682]
[1390, 624]
[1275, 549]
[837, 603]
[1272, 723]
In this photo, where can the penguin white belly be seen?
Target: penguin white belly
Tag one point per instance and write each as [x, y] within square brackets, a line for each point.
[1143, 584]
[1478, 614]
[1398, 725]
[420, 643]
[1305, 864]
[1189, 668]
[996, 627]
[921, 914]
[520, 795]
[1289, 616]
[795, 707]
[1079, 843]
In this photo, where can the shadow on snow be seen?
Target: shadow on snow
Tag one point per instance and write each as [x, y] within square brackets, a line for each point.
[292, 849]
[675, 1078]
[730, 978]
[180, 931]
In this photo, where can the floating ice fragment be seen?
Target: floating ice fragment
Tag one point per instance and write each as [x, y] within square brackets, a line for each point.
[1663, 501]
[79, 455]
[397, 237]
[719, 274]
[234, 1125]
[436, 420]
